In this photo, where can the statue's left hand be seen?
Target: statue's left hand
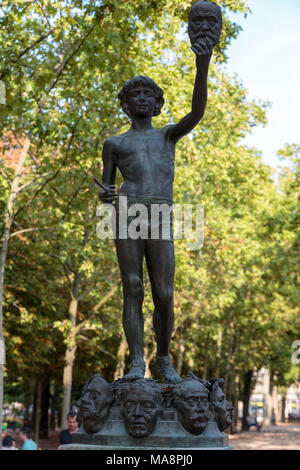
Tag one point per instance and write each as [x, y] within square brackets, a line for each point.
[203, 52]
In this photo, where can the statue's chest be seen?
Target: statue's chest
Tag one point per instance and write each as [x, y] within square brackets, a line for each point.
[151, 146]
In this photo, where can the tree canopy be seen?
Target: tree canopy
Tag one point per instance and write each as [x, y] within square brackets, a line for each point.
[236, 299]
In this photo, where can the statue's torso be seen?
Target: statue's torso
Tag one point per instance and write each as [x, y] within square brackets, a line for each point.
[146, 161]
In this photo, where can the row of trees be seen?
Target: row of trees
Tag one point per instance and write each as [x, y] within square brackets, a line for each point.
[236, 300]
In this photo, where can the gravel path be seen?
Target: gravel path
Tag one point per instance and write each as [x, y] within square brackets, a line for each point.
[281, 437]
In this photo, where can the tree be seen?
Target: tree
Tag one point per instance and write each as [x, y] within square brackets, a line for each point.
[63, 64]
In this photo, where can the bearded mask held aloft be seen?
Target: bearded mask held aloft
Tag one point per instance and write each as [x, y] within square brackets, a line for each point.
[205, 24]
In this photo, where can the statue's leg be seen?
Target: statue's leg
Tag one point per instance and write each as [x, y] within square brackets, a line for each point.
[130, 257]
[161, 267]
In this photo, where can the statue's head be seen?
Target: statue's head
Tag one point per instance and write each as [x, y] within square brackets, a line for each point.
[205, 23]
[141, 96]
[95, 402]
[141, 403]
[191, 402]
[222, 409]
[224, 419]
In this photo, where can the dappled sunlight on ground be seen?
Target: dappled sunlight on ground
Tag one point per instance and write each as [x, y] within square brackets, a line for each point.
[281, 437]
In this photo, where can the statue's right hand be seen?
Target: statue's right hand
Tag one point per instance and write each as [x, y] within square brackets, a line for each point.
[110, 196]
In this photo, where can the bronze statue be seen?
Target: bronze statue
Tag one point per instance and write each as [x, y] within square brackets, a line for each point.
[192, 404]
[205, 24]
[141, 403]
[178, 413]
[94, 404]
[145, 157]
[222, 409]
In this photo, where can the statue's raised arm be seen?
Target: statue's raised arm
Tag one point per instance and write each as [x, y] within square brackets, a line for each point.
[204, 28]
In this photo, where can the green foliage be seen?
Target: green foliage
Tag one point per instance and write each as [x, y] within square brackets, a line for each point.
[236, 300]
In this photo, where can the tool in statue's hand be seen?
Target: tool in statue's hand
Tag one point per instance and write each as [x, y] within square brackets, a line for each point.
[106, 193]
[102, 188]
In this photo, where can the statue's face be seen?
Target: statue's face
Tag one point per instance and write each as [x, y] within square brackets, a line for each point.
[227, 421]
[224, 416]
[222, 409]
[140, 410]
[204, 25]
[193, 407]
[95, 405]
[141, 102]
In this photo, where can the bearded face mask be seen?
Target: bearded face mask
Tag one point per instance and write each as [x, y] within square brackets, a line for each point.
[205, 24]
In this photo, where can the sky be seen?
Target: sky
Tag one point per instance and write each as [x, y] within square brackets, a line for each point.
[266, 58]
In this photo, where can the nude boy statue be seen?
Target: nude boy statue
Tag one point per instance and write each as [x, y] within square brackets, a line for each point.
[145, 157]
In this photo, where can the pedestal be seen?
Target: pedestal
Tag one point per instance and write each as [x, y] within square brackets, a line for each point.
[168, 435]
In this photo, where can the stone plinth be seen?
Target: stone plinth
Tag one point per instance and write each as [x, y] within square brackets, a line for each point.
[167, 435]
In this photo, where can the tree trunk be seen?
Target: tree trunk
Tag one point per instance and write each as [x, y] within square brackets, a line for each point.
[191, 363]
[37, 417]
[54, 398]
[1, 395]
[219, 352]
[44, 423]
[149, 350]
[246, 399]
[120, 369]
[2, 92]
[181, 349]
[269, 401]
[228, 362]
[274, 400]
[27, 403]
[9, 216]
[235, 401]
[283, 407]
[71, 340]
[70, 352]
[147, 358]
[204, 375]
[67, 384]
[69, 358]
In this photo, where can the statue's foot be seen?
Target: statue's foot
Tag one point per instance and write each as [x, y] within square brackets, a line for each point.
[166, 369]
[137, 370]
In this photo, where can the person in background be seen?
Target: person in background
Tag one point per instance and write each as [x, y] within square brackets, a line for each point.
[3, 430]
[65, 436]
[28, 443]
[26, 424]
[9, 443]
[259, 420]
